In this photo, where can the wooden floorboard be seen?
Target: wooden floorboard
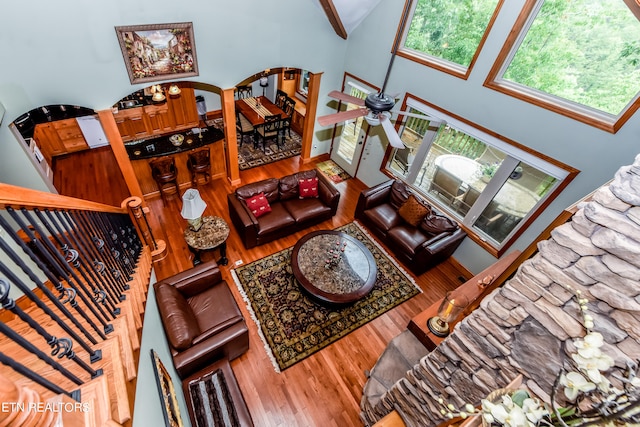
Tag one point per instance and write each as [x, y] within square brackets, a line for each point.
[325, 389]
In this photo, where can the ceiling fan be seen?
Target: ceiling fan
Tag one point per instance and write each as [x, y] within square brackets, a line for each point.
[376, 108]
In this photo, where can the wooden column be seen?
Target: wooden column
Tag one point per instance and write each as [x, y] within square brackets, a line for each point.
[310, 117]
[230, 136]
[117, 146]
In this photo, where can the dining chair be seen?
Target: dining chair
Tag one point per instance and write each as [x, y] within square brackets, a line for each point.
[270, 129]
[243, 126]
[445, 185]
[199, 162]
[280, 97]
[165, 173]
[402, 158]
[289, 106]
[244, 91]
[466, 200]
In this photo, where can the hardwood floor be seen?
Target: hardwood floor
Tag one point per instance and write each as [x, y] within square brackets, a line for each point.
[325, 389]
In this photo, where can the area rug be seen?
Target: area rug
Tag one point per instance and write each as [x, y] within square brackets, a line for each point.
[212, 403]
[333, 171]
[294, 327]
[251, 157]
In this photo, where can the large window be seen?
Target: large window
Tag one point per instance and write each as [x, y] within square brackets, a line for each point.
[580, 58]
[448, 34]
[491, 186]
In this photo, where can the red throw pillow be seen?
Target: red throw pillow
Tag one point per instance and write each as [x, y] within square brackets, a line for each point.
[258, 205]
[308, 187]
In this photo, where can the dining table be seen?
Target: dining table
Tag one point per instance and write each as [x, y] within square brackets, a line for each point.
[256, 108]
[512, 198]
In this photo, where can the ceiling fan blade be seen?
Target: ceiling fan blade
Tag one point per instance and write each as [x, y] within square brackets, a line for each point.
[392, 135]
[346, 98]
[332, 119]
[419, 116]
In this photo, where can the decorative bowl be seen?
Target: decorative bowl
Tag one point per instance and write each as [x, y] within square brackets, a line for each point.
[176, 139]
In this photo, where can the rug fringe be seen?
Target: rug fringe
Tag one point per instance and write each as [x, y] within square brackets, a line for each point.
[247, 301]
[385, 253]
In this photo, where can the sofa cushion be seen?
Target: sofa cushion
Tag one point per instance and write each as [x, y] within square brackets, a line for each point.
[307, 209]
[278, 219]
[258, 205]
[181, 325]
[399, 194]
[413, 211]
[384, 217]
[214, 309]
[288, 187]
[407, 238]
[436, 224]
[308, 187]
[267, 186]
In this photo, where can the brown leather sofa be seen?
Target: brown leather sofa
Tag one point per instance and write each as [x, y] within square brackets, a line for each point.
[432, 239]
[289, 213]
[201, 319]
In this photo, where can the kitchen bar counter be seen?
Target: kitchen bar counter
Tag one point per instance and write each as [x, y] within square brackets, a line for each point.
[161, 146]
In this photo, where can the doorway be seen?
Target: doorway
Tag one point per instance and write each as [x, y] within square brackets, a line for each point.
[350, 136]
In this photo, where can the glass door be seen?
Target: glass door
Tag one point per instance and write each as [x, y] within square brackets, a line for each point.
[349, 140]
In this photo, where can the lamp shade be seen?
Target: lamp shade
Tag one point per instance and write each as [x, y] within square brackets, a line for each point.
[192, 204]
[264, 81]
[174, 90]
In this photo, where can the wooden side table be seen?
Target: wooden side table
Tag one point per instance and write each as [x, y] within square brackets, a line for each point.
[498, 271]
[212, 235]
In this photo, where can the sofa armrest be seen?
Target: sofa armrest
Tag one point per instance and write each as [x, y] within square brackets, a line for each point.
[243, 220]
[372, 197]
[444, 241]
[196, 280]
[327, 192]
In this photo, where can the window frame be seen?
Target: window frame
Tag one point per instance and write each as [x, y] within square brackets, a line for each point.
[512, 148]
[441, 64]
[573, 110]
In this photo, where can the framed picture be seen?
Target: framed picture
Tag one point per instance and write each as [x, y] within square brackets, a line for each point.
[167, 393]
[158, 51]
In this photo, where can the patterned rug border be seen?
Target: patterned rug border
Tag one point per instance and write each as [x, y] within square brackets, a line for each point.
[252, 313]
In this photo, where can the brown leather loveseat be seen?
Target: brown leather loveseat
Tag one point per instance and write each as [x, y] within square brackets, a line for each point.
[289, 209]
[415, 231]
[201, 319]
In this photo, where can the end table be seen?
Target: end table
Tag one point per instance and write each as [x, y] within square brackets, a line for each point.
[212, 235]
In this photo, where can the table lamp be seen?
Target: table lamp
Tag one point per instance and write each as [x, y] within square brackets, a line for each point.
[192, 208]
[450, 307]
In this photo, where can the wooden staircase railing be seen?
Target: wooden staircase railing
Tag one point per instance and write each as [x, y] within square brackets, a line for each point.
[74, 276]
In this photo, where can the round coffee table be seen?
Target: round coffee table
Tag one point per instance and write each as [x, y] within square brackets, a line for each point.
[333, 267]
[213, 234]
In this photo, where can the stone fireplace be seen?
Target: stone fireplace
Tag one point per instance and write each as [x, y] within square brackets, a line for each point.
[527, 325]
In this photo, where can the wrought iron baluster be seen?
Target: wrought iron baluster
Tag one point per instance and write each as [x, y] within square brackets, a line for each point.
[21, 369]
[45, 290]
[119, 254]
[59, 270]
[60, 346]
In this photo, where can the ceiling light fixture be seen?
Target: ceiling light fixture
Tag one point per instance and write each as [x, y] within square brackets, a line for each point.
[158, 93]
[174, 90]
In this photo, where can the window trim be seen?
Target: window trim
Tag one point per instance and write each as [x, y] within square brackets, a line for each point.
[526, 154]
[440, 64]
[579, 112]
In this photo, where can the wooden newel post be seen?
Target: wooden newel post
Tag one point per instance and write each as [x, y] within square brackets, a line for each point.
[139, 218]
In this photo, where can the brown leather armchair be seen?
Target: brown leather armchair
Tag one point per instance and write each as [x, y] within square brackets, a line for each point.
[201, 319]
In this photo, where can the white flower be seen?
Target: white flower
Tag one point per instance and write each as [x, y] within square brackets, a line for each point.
[590, 345]
[533, 410]
[592, 366]
[575, 383]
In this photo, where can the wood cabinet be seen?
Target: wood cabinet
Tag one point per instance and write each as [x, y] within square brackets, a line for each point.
[59, 137]
[176, 114]
[159, 119]
[297, 121]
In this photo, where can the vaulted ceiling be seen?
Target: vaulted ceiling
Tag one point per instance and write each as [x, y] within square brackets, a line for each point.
[345, 15]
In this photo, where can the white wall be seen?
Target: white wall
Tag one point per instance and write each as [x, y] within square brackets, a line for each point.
[597, 154]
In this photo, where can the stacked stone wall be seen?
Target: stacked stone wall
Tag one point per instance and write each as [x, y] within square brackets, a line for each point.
[526, 326]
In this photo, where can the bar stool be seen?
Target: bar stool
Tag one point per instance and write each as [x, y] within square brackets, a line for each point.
[165, 173]
[199, 162]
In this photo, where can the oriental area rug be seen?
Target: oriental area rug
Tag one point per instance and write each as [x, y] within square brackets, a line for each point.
[294, 327]
[251, 157]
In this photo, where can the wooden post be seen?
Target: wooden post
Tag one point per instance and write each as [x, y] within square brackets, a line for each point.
[230, 136]
[310, 116]
[138, 217]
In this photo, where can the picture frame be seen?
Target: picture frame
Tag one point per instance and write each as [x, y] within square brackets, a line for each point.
[158, 51]
[170, 406]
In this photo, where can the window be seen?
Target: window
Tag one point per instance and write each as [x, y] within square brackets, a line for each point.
[580, 58]
[303, 83]
[448, 35]
[491, 186]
